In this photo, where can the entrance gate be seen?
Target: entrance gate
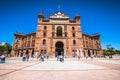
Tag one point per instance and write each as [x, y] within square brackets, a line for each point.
[59, 49]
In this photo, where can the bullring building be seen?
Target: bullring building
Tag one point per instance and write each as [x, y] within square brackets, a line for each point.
[55, 36]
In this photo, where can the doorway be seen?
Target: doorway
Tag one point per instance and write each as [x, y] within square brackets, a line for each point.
[32, 55]
[59, 49]
[89, 53]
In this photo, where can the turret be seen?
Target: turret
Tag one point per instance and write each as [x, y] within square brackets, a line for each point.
[77, 19]
[40, 18]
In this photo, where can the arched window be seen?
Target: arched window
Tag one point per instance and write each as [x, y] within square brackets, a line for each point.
[74, 42]
[41, 52]
[65, 34]
[73, 34]
[45, 27]
[73, 50]
[59, 31]
[44, 41]
[44, 34]
[73, 28]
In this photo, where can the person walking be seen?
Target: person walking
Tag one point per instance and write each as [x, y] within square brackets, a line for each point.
[24, 57]
[2, 58]
[78, 56]
[92, 56]
[27, 57]
[42, 57]
[61, 58]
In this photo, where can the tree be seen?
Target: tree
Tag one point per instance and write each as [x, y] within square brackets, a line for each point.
[110, 51]
[106, 52]
[5, 49]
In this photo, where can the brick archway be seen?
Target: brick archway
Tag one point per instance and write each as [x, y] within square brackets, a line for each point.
[59, 48]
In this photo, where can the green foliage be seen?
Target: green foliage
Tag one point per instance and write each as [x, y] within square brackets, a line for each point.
[110, 52]
[5, 48]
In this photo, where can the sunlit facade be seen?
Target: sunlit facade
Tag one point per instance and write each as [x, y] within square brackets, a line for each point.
[56, 36]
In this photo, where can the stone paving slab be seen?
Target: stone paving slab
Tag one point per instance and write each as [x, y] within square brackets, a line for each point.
[17, 65]
[68, 65]
[63, 75]
[71, 69]
[5, 71]
[110, 61]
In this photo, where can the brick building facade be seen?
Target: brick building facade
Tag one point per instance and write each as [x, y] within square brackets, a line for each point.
[56, 36]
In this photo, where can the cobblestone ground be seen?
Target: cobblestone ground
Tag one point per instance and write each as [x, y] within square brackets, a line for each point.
[51, 69]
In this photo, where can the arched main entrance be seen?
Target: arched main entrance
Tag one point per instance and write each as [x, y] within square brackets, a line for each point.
[59, 49]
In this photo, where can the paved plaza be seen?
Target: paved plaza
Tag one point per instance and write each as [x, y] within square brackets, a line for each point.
[51, 69]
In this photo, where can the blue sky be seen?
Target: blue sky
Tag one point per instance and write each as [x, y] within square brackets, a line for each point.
[97, 16]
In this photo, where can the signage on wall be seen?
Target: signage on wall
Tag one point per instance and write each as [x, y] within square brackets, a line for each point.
[59, 22]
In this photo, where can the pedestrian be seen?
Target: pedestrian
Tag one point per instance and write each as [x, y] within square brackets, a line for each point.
[60, 58]
[63, 58]
[2, 58]
[78, 56]
[27, 56]
[36, 54]
[92, 56]
[23, 58]
[39, 57]
[42, 57]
